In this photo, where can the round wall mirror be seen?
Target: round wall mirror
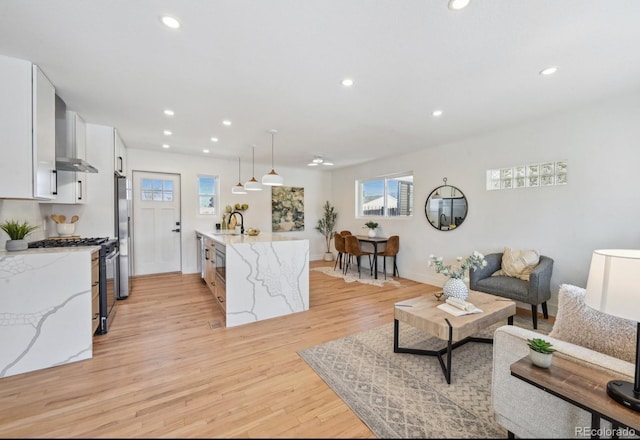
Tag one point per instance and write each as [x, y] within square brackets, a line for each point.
[446, 207]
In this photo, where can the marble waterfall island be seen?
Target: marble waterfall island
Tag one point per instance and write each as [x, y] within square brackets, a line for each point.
[45, 308]
[266, 276]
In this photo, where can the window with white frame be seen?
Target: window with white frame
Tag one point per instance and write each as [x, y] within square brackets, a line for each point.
[207, 199]
[156, 190]
[388, 196]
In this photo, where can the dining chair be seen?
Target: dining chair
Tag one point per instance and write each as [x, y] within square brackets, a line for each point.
[338, 241]
[345, 232]
[391, 250]
[352, 249]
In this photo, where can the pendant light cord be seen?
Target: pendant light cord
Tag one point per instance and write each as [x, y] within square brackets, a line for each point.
[272, 135]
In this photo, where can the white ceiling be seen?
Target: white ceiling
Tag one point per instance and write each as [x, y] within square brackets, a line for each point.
[278, 64]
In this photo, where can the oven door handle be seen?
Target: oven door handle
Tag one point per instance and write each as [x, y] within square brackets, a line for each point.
[113, 255]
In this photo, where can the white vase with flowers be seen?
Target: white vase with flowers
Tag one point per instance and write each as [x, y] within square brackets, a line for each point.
[455, 286]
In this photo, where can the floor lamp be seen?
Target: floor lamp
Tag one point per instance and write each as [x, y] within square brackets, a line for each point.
[613, 287]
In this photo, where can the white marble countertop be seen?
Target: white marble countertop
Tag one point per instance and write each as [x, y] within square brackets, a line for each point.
[229, 238]
[53, 250]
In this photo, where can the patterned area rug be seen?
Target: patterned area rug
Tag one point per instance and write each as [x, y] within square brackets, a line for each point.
[352, 276]
[401, 395]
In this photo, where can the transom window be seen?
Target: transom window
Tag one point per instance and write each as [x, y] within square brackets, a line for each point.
[389, 196]
[157, 190]
[207, 195]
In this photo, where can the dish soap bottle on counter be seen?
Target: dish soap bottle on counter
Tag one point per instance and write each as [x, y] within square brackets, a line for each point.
[224, 222]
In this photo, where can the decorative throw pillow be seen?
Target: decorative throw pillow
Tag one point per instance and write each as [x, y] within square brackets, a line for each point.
[579, 324]
[518, 263]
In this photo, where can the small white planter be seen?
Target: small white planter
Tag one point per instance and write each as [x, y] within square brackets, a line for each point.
[542, 360]
[16, 245]
[328, 256]
[372, 233]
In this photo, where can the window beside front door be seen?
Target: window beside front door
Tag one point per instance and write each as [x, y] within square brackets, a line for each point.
[207, 200]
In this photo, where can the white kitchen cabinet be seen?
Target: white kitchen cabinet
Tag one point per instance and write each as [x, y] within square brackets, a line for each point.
[119, 155]
[72, 185]
[27, 131]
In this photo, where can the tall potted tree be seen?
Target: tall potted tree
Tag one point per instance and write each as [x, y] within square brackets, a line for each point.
[326, 226]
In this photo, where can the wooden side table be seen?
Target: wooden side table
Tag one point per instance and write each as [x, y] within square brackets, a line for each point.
[581, 385]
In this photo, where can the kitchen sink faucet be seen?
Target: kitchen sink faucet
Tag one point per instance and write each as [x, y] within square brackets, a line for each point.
[241, 220]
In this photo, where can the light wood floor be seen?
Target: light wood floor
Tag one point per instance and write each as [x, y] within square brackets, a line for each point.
[168, 368]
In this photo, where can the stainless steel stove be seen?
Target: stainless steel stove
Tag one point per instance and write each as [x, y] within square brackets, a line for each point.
[109, 264]
[67, 242]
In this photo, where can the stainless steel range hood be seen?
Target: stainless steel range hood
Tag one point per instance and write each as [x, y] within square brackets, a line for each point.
[66, 159]
[73, 164]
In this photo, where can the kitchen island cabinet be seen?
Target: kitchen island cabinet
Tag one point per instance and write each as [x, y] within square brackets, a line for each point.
[263, 276]
[46, 310]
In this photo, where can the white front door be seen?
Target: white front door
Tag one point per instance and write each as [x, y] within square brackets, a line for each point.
[156, 223]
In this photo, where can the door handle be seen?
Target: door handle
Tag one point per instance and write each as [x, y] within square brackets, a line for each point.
[175, 230]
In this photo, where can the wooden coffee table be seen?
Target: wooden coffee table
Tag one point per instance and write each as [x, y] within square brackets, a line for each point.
[422, 313]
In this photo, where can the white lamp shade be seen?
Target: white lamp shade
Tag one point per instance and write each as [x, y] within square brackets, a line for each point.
[252, 185]
[612, 286]
[238, 189]
[272, 179]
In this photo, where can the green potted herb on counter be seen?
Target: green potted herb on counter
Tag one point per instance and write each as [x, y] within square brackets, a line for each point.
[17, 233]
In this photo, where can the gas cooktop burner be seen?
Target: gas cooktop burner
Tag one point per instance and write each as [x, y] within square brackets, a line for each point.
[68, 242]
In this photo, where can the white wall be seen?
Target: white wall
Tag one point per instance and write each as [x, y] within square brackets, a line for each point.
[598, 207]
[316, 184]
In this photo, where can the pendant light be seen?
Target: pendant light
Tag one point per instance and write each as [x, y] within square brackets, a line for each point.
[253, 184]
[238, 189]
[273, 178]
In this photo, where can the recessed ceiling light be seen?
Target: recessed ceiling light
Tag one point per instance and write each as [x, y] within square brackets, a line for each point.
[168, 112]
[205, 151]
[165, 145]
[170, 22]
[549, 71]
[214, 139]
[456, 5]
[167, 133]
[347, 82]
[226, 122]
[437, 113]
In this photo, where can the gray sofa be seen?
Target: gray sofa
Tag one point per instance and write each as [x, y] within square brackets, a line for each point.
[535, 292]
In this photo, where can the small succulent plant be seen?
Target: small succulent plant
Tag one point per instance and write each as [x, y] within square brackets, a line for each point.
[541, 346]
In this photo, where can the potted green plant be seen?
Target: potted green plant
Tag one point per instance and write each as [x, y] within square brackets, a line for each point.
[540, 352]
[372, 228]
[326, 226]
[17, 232]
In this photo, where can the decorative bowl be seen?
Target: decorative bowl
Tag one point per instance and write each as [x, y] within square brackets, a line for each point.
[253, 232]
[65, 229]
